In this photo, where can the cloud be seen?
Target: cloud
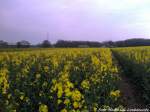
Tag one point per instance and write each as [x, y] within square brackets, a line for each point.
[75, 20]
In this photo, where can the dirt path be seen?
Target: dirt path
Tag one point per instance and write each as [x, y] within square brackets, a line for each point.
[130, 95]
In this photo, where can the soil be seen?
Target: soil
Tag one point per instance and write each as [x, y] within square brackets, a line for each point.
[131, 96]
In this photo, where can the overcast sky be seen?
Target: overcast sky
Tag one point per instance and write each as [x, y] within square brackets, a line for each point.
[94, 20]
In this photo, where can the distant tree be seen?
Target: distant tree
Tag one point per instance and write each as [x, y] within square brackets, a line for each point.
[133, 42]
[3, 44]
[46, 43]
[108, 44]
[120, 43]
[23, 44]
[64, 43]
[137, 42]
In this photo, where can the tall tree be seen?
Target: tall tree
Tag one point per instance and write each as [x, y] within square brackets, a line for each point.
[46, 43]
[23, 44]
[3, 43]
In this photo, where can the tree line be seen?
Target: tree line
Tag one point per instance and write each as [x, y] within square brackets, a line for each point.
[72, 44]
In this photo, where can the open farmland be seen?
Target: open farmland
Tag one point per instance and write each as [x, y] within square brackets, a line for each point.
[58, 80]
[74, 80]
[135, 62]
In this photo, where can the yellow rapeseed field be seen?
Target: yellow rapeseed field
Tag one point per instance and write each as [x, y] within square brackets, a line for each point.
[66, 80]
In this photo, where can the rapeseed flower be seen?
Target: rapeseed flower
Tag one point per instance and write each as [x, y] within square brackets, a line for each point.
[76, 95]
[115, 93]
[43, 108]
[46, 68]
[59, 101]
[67, 101]
[38, 76]
[76, 105]
[85, 84]
[63, 110]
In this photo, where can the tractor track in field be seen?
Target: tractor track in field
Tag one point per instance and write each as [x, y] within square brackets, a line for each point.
[130, 95]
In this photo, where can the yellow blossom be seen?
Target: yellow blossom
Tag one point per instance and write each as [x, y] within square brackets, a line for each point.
[85, 84]
[63, 110]
[67, 101]
[43, 108]
[59, 101]
[59, 93]
[38, 76]
[76, 105]
[115, 93]
[76, 95]
[46, 68]
[21, 97]
[68, 93]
